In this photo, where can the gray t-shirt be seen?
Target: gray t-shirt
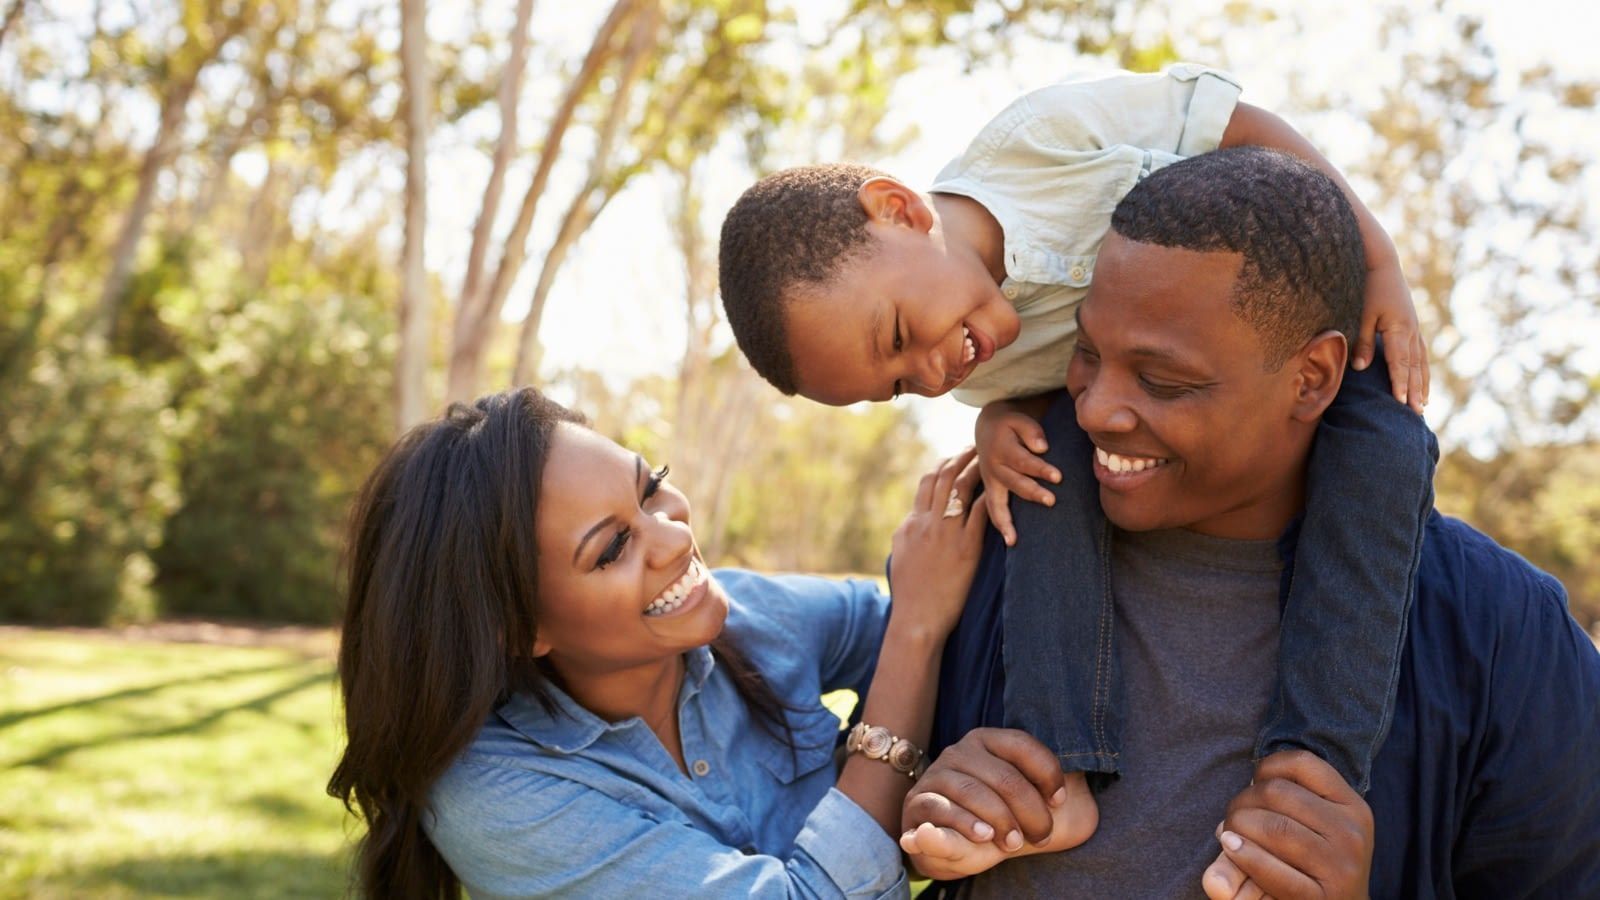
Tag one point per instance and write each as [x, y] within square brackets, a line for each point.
[1197, 641]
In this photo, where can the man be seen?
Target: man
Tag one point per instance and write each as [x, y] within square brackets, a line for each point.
[1215, 334]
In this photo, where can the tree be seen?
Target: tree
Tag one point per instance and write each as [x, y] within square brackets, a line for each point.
[412, 358]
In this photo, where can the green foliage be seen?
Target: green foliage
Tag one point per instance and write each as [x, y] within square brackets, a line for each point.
[86, 473]
[285, 414]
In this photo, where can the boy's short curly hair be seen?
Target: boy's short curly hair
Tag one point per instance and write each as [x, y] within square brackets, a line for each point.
[794, 227]
[1304, 268]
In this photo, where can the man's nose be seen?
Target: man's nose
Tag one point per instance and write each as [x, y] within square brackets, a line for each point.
[1102, 407]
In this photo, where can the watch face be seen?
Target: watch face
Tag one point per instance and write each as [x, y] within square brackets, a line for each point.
[903, 756]
[875, 743]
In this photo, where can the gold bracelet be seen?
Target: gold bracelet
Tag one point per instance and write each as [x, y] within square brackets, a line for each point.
[876, 742]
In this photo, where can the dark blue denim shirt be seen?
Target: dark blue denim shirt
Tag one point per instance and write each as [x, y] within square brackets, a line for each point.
[1488, 784]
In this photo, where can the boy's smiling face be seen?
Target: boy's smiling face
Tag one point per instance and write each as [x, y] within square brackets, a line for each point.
[914, 313]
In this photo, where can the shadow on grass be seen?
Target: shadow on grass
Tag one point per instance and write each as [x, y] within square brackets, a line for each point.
[12, 718]
[268, 873]
[260, 704]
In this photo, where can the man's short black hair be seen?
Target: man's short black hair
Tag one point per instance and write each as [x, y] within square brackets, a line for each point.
[791, 228]
[1304, 271]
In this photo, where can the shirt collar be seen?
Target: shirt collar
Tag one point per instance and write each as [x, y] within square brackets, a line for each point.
[572, 728]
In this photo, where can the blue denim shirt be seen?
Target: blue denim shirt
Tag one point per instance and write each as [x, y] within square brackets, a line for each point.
[572, 805]
[1488, 784]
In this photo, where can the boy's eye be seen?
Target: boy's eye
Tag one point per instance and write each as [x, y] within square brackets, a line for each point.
[896, 394]
[899, 342]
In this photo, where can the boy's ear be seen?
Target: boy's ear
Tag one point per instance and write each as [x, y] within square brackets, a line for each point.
[886, 200]
[1320, 370]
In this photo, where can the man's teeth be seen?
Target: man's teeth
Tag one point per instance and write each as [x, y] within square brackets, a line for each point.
[1120, 464]
[971, 351]
[673, 596]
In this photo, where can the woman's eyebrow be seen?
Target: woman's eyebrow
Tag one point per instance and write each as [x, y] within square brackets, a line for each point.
[638, 469]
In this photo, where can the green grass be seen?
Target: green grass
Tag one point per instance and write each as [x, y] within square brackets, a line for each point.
[142, 768]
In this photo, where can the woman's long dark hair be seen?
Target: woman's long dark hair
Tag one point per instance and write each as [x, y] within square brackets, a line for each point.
[440, 618]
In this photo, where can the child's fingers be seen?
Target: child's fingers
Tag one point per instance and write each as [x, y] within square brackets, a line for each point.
[1405, 365]
[1420, 380]
[1028, 464]
[1366, 344]
[1023, 486]
[934, 842]
[1030, 432]
[997, 500]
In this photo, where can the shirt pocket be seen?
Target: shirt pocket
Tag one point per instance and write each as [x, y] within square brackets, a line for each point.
[816, 734]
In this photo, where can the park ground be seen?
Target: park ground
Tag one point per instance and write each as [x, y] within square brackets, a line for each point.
[185, 761]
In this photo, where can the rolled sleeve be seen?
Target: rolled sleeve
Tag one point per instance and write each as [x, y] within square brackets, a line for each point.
[1183, 110]
[509, 832]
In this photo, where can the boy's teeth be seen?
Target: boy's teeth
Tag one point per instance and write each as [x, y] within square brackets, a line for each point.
[971, 349]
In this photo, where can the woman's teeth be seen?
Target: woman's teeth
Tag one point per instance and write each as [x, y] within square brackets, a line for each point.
[673, 596]
[1120, 464]
[971, 349]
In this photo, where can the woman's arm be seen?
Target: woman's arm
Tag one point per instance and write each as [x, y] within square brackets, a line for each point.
[930, 572]
[578, 842]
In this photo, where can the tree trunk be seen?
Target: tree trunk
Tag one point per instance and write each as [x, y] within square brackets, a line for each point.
[127, 246]
[476, 314]
[467, 308]
[593, 196]
[412, 358]
[13, 15]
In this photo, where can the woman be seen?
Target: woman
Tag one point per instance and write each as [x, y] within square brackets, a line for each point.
[547, 693]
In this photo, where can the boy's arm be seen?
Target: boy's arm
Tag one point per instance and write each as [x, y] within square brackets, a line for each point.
[1387, 308]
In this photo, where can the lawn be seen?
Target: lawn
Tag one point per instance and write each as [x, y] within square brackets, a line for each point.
[141, 767]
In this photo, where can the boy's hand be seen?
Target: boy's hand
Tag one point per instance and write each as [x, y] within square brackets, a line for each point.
[1387, 310]
[1008, 442]
[1298, 831]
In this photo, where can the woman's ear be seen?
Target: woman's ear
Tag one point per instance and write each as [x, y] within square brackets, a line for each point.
[886, 200]
[541, 647]
[1320, 373]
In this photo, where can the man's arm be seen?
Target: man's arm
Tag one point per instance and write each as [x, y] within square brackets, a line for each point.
[1533, 827]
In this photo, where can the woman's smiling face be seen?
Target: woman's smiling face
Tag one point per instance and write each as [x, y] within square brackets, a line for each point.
[621, 582]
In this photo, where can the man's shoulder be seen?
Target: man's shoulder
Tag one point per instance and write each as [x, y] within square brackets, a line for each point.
[1477, 600]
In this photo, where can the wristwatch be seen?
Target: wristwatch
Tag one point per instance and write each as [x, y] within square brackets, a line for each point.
[877, 742]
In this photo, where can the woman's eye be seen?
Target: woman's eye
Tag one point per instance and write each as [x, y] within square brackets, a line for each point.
[653, 484]
[613, 550]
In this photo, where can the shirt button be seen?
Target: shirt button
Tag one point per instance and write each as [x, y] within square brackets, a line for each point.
[701, 768]
[1078, 272]
[1010, 291]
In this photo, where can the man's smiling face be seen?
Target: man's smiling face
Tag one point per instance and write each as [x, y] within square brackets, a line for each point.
[1190, 429]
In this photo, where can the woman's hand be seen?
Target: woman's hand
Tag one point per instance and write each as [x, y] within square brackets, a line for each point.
[936, 548]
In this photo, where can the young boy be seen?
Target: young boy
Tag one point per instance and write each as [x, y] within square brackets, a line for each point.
[843, 285]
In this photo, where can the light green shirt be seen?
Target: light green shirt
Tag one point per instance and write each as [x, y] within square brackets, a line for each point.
[1051, 168]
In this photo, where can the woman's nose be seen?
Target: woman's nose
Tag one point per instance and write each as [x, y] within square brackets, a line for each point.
[670, 540]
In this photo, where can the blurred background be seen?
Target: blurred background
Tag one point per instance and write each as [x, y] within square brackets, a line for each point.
[244, 243]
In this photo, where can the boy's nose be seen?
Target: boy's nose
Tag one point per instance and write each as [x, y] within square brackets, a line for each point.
[930, 375]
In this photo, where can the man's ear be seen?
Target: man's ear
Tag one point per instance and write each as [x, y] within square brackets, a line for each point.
[886, 200]
[1320, 372]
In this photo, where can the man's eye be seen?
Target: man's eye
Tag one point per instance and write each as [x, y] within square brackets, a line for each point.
[1164, 391]
[1085, 352]
[613, 551]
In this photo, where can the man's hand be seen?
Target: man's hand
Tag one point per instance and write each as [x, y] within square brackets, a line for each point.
[1298, 833]
[1387, 310]
[995, 785]
[1008, 442]
[945, 854]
